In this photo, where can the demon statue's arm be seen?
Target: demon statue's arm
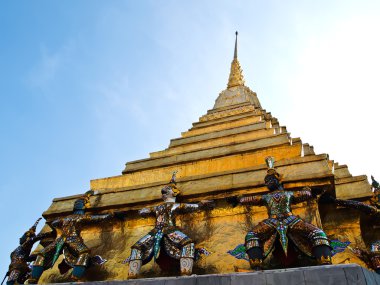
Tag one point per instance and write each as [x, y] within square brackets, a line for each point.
[255, 200]
[365, 208]
[202, 205]
[146, 212]
[374, 254]
[302, 195]
[87, 219]
[54, 224]
[41, 237]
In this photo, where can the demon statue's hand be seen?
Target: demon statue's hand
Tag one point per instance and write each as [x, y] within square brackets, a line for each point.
[121, 215]
[145, 212]
[234, 200]
[207, 204]
[327, 198]
[316, 192]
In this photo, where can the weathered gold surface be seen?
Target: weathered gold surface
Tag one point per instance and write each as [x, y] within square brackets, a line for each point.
[193, 168]
[297, 172]
[227, 113]
[223, 126]
[228, 140]
[218, 230]
[220, 134]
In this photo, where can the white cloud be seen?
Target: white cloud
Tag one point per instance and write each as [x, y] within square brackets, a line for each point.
[49, 64]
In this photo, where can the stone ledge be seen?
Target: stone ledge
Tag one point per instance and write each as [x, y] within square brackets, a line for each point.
[345, 274]
[217, 142]
[222, 133]
[233, 149]
[298, 172]
[246, 121]
[234, 106]
[226, 118]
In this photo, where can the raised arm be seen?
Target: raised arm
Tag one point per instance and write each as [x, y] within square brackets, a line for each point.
[202, 205]
[96, 218]
[146, 212]
[44, 235]
[55, 223]
[255, 200]
[368, 209]
[302, 195]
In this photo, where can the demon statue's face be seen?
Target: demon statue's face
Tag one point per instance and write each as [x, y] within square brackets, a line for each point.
[80, 206]
[168, 193]
[272, 182]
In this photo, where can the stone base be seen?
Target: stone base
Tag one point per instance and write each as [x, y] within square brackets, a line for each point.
[323, 275]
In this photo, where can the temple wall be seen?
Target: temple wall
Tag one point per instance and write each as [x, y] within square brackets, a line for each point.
[217, 230]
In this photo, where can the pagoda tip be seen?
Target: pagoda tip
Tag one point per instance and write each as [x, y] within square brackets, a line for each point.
[235, 53]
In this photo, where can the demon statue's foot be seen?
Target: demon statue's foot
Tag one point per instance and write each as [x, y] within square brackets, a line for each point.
[134, 268]
[256, 264]
[256, 257]
[323, 254]
[36, 274]
[186, 265]
[376, 263]
[78, 273]
[13, 276]
[10, 282]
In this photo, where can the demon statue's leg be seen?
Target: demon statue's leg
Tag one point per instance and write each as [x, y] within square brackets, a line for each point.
[322, 254]
[254, 241]
[37, 269]
[376, 263]
[134, 263]
[13, 276]
[80, 266]
[375, 256]
[256, 257]
[187, 259]
[321, 248]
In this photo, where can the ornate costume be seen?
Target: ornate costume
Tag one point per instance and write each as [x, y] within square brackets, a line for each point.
[19, 269]
[283, 224]
[165, 236]
[70, 243]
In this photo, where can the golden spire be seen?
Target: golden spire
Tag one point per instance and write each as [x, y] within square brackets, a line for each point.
[236, 74]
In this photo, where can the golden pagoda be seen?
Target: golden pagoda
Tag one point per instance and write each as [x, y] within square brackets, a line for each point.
[222, 155]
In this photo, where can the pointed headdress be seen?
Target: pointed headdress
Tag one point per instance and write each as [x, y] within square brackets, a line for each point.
[271, 170]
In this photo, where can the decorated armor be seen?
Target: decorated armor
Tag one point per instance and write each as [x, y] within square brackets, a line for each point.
[70, 243]
[165, 237]
[282, 224]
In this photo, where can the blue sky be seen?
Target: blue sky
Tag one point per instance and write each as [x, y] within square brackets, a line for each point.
[86, 86]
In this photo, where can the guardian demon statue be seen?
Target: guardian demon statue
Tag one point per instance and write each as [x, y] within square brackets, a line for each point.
[19, 270]
[165, 237]
[69, 243]
[373, 211]
[282, 224]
